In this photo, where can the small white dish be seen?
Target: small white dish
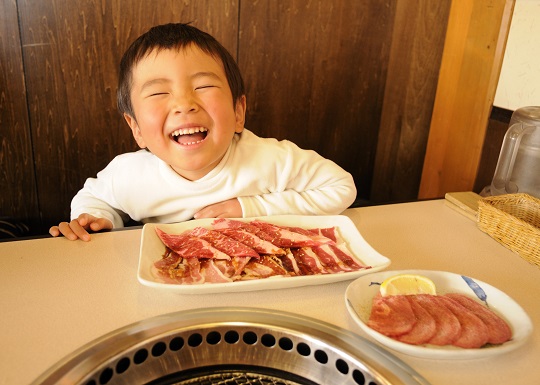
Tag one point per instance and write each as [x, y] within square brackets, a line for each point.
[359, 295]
[152, 249]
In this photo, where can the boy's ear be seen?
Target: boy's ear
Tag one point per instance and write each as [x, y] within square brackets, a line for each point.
[135, 130]
[240, 112]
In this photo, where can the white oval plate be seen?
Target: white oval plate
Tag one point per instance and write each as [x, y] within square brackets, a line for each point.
[152, 249]
[359, 295]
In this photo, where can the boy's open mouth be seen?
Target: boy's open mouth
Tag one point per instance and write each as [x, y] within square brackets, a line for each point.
[189, 136]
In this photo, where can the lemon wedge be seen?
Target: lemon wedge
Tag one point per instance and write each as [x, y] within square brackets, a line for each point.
[407, 284]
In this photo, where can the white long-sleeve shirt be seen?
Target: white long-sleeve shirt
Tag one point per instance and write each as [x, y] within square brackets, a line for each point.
[269, 177]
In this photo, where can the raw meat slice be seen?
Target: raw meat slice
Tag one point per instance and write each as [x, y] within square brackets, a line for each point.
[341, 251]
[289, 263]
[314, 235]
[251, 240]
[225, 266]
[232, 247]
[448, 327]
[498, 329]
[328, 257]
[474, 333]
[239, 263]
[392, 315]
[329, 232]
[424, 328]
[263, 268]
[308, 262]
[186, 272]
[194, 268]
[282, 237]
[220, 241]
[225, 223]
[169, 261]
[212, 273]
[188, 246]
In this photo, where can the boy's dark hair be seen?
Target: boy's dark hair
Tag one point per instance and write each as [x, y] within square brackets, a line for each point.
[174, 36]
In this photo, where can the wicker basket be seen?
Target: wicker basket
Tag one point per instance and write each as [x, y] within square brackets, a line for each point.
[514, 221]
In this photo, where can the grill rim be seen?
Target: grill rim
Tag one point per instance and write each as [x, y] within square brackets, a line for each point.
[384, 366]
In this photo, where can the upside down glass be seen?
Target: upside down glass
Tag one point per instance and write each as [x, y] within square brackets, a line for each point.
[518, 167]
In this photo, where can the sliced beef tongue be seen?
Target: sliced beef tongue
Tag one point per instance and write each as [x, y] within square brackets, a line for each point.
[498, 330]
[474, 333]
[450, 319]
[423, 330]
[448, 328]
[392, 315]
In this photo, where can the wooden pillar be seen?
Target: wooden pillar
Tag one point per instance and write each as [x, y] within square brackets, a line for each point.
[470, 68]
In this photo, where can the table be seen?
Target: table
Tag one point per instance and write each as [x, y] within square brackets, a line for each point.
[57, 295]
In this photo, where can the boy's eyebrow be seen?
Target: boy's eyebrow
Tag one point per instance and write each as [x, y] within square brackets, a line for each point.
[197, 75]
[205, 74]
[150, 83]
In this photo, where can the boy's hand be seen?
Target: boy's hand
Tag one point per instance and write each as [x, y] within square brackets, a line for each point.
[78, 228]
[225, 209]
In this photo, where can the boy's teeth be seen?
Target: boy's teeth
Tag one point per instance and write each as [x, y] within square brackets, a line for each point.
[187, 131]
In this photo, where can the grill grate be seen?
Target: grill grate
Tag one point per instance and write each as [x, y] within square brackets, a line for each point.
[220, 376]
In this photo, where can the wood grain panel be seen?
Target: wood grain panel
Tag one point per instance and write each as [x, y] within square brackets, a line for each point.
[498, 124]
[353, 80]
[18, 196]
[315, 74]
[472, 59]
[415, 58]
[72, 50]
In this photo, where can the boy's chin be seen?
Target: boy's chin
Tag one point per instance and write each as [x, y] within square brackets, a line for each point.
[193, 173]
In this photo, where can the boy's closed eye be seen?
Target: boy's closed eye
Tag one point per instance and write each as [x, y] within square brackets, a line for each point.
[205, 87]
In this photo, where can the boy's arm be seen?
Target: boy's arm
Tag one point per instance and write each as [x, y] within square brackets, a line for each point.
[98, 197]
[86, 202]
[227, 209]
[306, 184]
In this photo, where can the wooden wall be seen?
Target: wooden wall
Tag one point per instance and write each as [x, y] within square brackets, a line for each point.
[353, 80]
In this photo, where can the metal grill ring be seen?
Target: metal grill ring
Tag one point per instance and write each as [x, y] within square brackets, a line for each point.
[231, 346]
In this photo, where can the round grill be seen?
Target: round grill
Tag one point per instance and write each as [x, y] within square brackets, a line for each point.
[231, 346]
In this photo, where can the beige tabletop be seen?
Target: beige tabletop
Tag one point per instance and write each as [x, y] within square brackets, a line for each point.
[58, 295]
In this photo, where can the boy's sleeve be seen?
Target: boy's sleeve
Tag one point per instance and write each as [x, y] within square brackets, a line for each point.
[97, 198]
[304, 183]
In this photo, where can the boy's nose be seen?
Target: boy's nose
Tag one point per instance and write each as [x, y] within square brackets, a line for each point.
[184, 103]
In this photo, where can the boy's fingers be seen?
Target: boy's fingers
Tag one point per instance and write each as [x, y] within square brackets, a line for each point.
[78, 231]
[101, 224]
[83, 219]
[66, 230]
[54, 231]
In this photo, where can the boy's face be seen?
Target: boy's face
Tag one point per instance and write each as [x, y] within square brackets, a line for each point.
[184, 112]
